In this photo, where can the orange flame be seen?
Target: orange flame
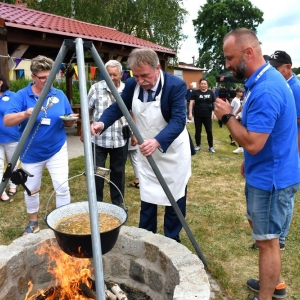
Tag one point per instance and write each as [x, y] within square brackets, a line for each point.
[69, 272]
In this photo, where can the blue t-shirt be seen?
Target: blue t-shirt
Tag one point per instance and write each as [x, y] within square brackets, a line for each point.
[7, 134]
[48, 139]
[269, 107]
[294, 84]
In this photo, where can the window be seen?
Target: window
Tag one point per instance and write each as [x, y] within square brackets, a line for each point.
[178, 73]
[20, 74]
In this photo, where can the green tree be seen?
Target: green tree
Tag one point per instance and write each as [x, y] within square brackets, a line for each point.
[153, 20]
[296, 70]
[215, 19]
[211, 78]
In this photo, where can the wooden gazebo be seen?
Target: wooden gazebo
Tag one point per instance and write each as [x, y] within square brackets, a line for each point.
[27, 33]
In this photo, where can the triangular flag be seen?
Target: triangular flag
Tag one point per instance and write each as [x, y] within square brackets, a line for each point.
[76, 70]
[93, 71]
[18, 60]
[125, 75]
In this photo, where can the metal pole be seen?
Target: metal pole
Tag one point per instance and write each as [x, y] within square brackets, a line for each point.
[56, 66]
[151, 161]
[88, 156]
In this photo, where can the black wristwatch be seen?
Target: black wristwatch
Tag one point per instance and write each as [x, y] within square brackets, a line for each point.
[225, 118]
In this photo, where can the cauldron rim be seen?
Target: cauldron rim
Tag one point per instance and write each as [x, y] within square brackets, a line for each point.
[85, 202]
[69, 243]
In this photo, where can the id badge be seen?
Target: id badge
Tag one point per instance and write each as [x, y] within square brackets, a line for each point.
[46, 121]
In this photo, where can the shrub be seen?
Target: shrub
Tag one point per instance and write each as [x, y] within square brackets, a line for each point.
[19, 84]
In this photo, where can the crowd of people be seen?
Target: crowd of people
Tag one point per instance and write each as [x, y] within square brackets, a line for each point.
[259, 116]
[200, 109]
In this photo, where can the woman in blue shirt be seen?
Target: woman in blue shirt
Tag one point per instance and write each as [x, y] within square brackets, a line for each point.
[46, 145]
[9, 136]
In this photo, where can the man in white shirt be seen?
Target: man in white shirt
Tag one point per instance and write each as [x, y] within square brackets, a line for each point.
[112, 141]
[235, 104]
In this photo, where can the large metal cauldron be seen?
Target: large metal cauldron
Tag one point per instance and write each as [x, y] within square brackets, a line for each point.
[81, 245]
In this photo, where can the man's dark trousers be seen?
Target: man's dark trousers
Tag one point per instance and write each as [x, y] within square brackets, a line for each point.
[117, 161]
[172, 225]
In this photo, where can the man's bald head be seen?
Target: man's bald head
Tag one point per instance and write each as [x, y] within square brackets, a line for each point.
[242, 52]
[243, 37]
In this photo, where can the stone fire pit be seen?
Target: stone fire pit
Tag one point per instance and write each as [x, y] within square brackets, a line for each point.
[152, 263]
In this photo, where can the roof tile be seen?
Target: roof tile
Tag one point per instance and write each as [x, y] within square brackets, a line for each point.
[22, 17]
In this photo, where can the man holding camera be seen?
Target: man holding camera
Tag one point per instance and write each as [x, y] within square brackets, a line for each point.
[112, 141]
[270, 168]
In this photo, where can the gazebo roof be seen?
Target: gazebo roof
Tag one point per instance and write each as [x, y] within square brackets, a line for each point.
[17, 17]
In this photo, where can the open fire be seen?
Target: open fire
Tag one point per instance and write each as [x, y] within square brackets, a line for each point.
[142, 261]
[70, 275]
[73, 279]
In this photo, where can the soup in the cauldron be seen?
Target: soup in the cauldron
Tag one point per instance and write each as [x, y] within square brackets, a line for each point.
[80, 223]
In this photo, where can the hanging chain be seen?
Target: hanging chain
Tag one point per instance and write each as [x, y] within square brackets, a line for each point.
[37, 128]
[72, 58]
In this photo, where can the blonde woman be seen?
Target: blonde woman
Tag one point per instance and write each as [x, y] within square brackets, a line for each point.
[46, 145]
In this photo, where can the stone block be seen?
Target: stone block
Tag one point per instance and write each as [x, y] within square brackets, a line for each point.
[9, 295]
[118, 268]
[23, 283]
[151, 252]
[130, 241]
[137, 271]
[155, 281]
[191, 292]
[14, 260]
[3, 275]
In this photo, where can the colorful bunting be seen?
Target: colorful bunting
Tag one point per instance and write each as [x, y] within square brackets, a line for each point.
[21, 72]
[18, 60]
[93, 71]
[76, 70]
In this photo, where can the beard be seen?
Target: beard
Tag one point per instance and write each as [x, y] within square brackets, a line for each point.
[240, 70]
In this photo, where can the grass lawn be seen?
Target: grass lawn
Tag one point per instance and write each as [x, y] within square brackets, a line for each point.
[215, 215]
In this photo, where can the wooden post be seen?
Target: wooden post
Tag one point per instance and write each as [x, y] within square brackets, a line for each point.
[4, 70]
[69, 73]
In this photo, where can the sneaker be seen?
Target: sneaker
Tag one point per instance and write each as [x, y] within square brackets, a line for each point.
[255, 247]
[212, 150]
[279, 293]
[197, 148]
[238, 150]
[253, 298]
[282, 247]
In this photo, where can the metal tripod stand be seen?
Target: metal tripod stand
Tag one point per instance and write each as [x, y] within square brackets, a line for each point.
[80, 46]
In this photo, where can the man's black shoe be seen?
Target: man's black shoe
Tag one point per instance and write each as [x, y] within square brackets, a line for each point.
[279, 293]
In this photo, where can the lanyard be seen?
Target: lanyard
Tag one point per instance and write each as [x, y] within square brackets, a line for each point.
[255, 80]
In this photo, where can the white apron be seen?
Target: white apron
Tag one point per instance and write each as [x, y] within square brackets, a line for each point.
[174, 165]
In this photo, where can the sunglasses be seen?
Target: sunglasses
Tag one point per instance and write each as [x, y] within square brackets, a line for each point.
[42, 78]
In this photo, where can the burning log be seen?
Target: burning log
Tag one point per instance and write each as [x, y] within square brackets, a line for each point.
[87, 291]
[118, 292]
[47, 293]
